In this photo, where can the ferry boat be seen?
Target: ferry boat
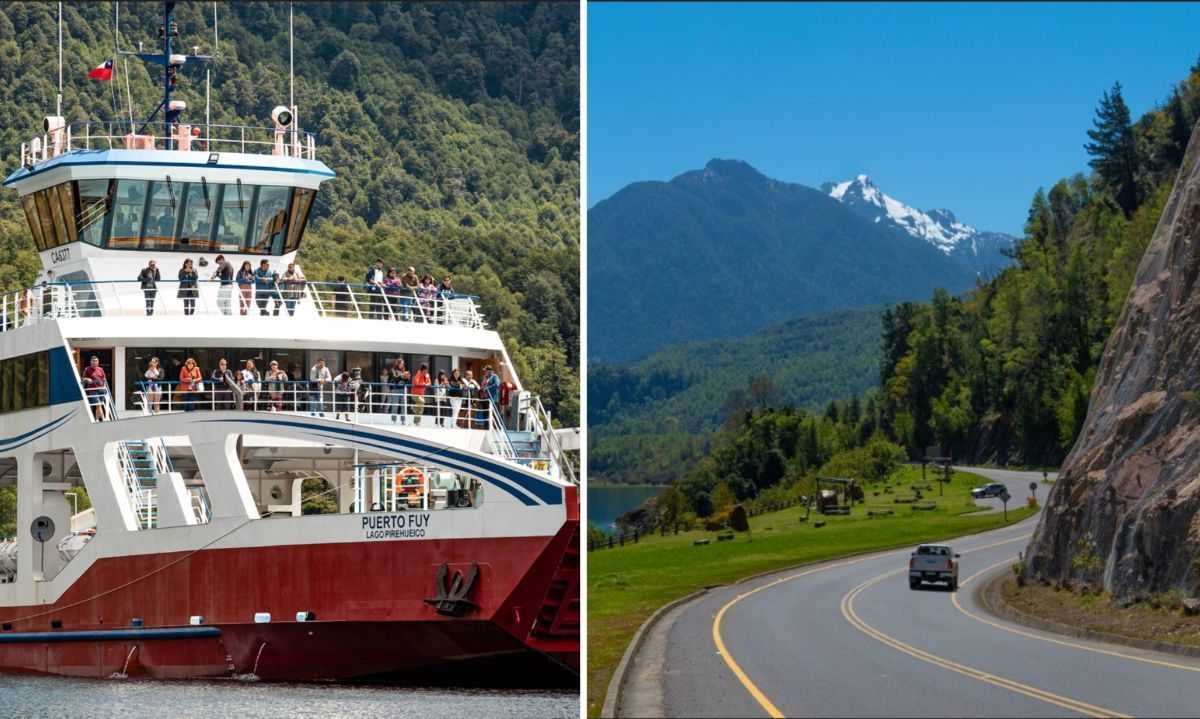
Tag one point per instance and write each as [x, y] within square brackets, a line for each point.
[453, 554]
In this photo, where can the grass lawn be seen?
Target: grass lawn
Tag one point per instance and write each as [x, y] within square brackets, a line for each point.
[626, 584]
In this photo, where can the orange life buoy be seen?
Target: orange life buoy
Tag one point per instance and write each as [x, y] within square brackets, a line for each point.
[26, 302]
[412, 472]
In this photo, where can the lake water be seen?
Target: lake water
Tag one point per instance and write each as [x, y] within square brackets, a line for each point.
[53, 697]
[607, 503]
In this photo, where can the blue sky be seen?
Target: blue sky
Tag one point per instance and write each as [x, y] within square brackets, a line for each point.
[968, 106]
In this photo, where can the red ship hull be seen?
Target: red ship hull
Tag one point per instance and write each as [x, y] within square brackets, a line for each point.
[370, 618]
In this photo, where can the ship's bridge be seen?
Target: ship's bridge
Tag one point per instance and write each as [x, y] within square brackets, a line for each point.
[103, 198]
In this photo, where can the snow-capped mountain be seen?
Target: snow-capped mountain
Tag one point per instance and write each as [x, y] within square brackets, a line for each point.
[979, 251]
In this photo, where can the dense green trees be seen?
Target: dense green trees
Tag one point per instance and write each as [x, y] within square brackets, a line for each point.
[454, 130]
[1004, 373]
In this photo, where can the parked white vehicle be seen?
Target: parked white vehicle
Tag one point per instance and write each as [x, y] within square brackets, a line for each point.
[933, 563]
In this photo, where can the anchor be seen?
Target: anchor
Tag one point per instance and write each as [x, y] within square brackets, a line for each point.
[454, 602]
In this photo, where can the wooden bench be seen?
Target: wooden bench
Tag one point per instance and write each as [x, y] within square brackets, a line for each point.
[880, 511]
[700, 542]
[923, 506]
[725, 537]
[818, 525]
[904, 500]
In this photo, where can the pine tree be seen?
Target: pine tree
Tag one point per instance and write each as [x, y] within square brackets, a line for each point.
[1114, 151]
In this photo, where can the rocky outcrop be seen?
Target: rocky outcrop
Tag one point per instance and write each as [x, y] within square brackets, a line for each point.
[1126, 508]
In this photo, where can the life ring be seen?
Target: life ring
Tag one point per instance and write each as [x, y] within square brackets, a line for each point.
[26, 302]
[412, 472]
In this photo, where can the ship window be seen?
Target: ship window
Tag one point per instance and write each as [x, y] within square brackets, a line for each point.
[56, 212]
[158, 232]
[66, 202]
[270, 220]
[24, 382]
[95, 205]
[200, 207]
[301, 204]
[47, 221]
[35, 225]
[127, 214]
[235, 215]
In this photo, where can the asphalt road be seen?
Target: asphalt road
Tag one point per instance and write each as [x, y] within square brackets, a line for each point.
[849, 638]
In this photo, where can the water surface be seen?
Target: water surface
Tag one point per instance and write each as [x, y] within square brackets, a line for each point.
[606, 503]
[55, 697]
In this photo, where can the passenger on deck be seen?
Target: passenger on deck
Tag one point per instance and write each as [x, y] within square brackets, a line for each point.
[341, 297]
[276, 382]
[293, 286]
[189, 382]
[251, 383]
[95, 386]
[491, 387]
[441, 399]
[427, 294]
[343, 396]
[245, 283]
[154, 374]
[472, 391]
[266, 281]
[409, 284]
[456, 391]
[374, 282]
[391, 292]
[398, 378]
[420, 381]
[187, 287]
[445, 293]
[319, 379]
[227, 394]
[224, 273]
[149, 278]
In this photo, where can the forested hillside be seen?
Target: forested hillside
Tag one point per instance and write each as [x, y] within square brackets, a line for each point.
[725, 251]
[650, 420]
[1004, 373]
[454, 130]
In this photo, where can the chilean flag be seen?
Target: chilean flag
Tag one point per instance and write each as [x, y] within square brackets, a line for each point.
[103, 71]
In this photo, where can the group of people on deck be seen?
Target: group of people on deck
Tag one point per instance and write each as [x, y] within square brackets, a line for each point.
[256, 286]
[387, 293]
[454, 400]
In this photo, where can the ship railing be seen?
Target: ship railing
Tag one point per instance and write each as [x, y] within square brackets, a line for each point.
[305, 300]
[540, 418]
[372, 403]
[184, 137]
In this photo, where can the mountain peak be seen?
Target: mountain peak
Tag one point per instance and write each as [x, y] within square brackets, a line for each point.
[735, 169]
[939, 228]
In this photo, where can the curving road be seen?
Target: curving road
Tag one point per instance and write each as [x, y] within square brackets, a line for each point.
[848, 638]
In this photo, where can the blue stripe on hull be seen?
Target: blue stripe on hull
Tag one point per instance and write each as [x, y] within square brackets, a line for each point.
[109, 635]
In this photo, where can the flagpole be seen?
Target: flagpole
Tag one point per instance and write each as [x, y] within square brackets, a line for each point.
[60, 64]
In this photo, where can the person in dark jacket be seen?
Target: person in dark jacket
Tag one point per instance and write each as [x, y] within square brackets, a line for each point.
[187, 287]
[149, 278]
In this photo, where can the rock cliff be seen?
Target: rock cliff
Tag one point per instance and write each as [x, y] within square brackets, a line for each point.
[1125, 512]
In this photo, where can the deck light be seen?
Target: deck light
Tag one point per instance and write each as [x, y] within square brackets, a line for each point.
[213, 157]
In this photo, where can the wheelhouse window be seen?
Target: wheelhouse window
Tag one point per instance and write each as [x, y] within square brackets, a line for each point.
[95, 205]
[128, 213]
[270, 220]
[235, 216]
[158, 232]
[35, 225]
[200, 209]
[169, 216]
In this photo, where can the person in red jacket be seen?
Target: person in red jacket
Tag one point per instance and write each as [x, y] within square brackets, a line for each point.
[95, 386]
[420, 381]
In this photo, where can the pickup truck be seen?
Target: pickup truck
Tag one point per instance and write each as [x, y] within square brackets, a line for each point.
[933, 563]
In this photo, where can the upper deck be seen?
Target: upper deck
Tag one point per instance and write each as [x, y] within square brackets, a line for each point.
[100, 197]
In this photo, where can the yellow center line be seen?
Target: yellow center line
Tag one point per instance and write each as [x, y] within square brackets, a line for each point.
[738, 672]
[851, 616]
[1061, 642]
